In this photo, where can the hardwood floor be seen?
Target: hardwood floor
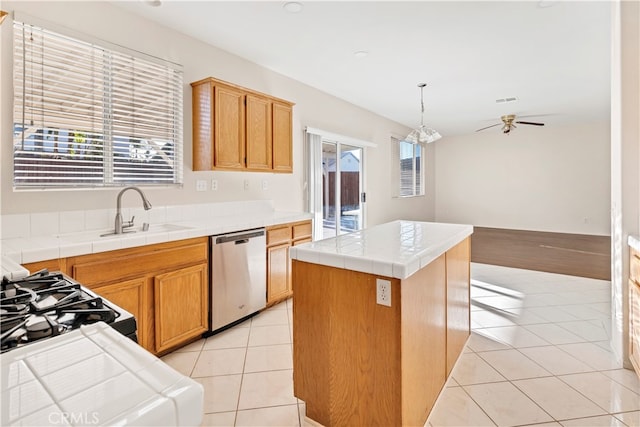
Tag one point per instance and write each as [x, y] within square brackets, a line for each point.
[574, 254]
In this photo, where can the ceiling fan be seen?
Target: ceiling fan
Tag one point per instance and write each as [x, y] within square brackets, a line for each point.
[509, 121]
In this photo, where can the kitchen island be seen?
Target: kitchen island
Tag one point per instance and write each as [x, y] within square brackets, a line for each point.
[380, 317]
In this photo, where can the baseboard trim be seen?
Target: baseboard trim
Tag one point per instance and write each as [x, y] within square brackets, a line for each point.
[581, 255]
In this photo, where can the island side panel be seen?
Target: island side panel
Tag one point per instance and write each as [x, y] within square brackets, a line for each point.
[311, 339]
[423, 341]
[458, 300]
[363, 381]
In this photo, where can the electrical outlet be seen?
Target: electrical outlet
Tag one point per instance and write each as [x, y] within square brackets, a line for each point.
[265, 185]
[201, 185]
[246, 184]
[383, 292]
[214, 185]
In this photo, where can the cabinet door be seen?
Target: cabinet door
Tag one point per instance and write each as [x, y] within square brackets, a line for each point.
[278, 273]
[282, 139]
[258, 133]
[131, 296]
[229, 114]
[181, 301]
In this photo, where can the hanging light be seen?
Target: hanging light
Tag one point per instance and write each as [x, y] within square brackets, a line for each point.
[423, 133]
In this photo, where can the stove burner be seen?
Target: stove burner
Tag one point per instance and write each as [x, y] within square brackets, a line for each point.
[10, 338]
[13, 309]
[48, 304]
[16, 295]
[41, 327]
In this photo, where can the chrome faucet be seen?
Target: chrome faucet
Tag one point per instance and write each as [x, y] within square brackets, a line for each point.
[120, 226]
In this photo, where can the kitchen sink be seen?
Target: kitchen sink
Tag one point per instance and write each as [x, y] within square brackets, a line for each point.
[164, 228]
[87, 236]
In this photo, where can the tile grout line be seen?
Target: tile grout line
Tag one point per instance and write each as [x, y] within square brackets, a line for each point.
[479, 353]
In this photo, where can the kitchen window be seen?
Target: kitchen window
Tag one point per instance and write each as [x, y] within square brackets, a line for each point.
[92, 114]
[408, 168]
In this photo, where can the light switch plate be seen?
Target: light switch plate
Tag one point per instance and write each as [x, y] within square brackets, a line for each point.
[201, 185]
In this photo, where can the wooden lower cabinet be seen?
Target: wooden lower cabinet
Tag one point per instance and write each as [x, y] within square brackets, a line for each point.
[634, 311]
[181, 306]
[634, 325]
[165, 286]
[278, 273]
[132, 296]
[279, 239]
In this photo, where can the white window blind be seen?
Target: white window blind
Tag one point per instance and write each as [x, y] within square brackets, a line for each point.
[89, 115]
[408, 168]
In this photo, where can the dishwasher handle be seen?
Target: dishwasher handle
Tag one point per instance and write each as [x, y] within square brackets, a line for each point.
[239, 238]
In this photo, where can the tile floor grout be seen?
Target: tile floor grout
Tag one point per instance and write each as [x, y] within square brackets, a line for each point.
[514, 357]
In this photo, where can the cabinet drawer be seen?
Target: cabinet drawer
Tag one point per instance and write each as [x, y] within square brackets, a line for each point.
[278, 235]
[301, 230]
[118, 266]
[634, 260]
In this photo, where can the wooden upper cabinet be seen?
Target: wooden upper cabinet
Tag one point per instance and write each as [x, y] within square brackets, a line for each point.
[259, 138]
[282, 140]
[235, 128]
[229, 135]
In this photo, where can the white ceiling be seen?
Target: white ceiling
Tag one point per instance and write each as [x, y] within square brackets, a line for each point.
[554, 56]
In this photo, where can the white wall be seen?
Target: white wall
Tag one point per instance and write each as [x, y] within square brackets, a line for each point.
[551, 178]
[313, 108]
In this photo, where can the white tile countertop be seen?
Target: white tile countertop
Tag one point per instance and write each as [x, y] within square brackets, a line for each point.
[395, 249]
[634, 242]
[95, 376]
[193, 221]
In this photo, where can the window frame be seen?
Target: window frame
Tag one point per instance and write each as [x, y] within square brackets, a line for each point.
[152, 156]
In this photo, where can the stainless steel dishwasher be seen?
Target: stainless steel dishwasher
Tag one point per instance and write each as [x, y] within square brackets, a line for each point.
[238, 276]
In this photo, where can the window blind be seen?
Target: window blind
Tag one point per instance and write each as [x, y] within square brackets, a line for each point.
[86, 115]
[407, 168]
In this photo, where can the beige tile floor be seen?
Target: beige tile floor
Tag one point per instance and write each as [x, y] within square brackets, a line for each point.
[538, 355]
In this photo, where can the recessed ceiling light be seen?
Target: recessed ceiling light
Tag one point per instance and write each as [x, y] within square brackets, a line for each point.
[547, 3]
[293, 7]
[360, 53]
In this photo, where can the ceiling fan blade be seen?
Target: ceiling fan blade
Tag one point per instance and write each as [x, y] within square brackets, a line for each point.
[530, 123]
[497, 124]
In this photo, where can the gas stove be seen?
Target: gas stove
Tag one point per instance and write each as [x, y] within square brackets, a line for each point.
[47, 304]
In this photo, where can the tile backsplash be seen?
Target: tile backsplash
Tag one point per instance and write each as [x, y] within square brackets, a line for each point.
[28, 225]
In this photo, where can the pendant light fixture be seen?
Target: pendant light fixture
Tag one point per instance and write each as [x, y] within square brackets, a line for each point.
[423, 134]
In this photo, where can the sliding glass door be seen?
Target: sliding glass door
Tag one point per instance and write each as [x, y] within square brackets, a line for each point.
[342, 192]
